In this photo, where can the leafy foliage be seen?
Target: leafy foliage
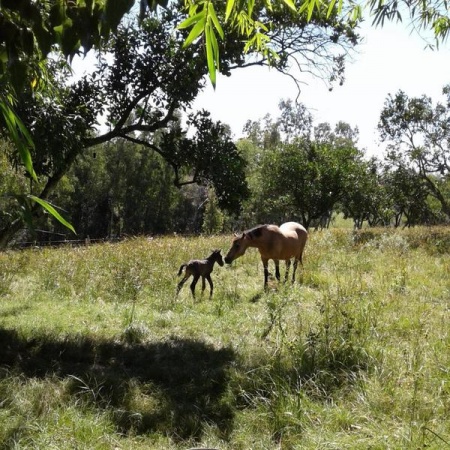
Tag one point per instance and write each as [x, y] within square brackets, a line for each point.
[140, 87]
[418, 139]
[300, 174]
[306, 179]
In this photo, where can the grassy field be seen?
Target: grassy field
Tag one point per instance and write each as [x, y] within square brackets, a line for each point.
[97, 353]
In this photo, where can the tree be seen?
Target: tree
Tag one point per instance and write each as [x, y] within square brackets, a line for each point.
[276, 31]
[409, 196]
[140, 92]
[141, 88]
[213, 218]
[304, 173]
[260, 23]
[418, 136]
[31, 28]
[367, 200]
[306, 180]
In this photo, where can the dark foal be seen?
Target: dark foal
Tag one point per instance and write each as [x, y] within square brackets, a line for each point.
[200, 268]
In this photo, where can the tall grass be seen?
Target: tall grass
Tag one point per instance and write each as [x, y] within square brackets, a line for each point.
[98, 352]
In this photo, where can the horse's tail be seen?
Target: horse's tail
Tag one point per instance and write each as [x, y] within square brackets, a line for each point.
[181, 269]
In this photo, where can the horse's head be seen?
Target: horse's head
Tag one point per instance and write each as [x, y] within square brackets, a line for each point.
[218, 257]
[238, 248]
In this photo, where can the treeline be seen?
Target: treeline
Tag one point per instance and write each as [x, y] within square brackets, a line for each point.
[146, 171]
[294, 171]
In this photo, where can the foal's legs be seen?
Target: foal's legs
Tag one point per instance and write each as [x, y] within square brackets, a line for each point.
[194, 282]
[211, 286]
[203, 284]
[181, 283]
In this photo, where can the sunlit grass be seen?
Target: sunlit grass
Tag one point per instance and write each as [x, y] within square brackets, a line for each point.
[99, 352]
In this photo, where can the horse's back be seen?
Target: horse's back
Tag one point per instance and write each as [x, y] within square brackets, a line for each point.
[289, 228]
[284, 242]
[296, 235]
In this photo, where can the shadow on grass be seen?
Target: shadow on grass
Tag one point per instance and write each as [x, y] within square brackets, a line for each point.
[185, 380]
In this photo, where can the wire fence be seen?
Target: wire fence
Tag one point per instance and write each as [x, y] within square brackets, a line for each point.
[58, 240]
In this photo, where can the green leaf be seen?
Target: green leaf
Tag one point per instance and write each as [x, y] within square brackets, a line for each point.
[115, 10]
[191, 20]
[229, 9]
[250, 7]
[52, 211]
[196, 31]
[311, 6]
[19, 135]
[356, 13]
[330, 8]
[291, 5]
[210, 56]
[215, 48]
[212, 14]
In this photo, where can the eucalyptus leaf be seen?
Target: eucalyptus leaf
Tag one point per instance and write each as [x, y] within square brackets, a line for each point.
[291, 4]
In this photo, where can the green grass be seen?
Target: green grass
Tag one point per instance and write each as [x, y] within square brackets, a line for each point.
[98, 353]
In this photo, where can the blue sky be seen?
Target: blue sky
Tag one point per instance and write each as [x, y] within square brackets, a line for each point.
[391, 58]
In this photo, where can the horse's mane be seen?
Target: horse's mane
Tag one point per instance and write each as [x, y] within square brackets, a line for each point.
[255, 231]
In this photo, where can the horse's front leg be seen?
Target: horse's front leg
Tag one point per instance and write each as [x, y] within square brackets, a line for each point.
[203, 284]
[211, 286]
[277, 268]
[266, 271]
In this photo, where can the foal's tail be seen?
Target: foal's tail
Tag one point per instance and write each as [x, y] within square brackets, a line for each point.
[181, 269]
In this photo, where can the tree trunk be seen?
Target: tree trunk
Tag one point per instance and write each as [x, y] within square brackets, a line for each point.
[7, 234]
[437, 194]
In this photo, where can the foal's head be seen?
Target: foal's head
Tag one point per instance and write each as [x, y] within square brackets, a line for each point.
[216, 257]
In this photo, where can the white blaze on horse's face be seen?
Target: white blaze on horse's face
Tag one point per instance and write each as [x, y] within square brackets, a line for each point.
[238, 248]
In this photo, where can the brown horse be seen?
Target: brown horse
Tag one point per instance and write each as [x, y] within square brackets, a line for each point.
[200, 268]
[273, 242]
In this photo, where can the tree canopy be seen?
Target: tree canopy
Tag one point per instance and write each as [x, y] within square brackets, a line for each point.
[158, 67]
[418, 138]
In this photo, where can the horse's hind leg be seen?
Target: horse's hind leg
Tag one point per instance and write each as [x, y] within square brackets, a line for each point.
[181, 283]
[288, 266]
[294, 269]
[194, 282]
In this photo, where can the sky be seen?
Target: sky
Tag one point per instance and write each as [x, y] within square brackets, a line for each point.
[390, 59]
